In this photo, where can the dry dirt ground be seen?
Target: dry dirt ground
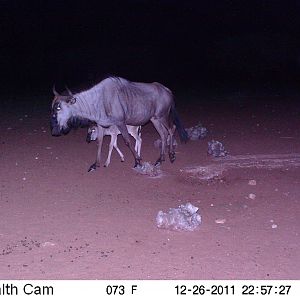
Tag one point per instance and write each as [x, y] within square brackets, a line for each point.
[57, 221]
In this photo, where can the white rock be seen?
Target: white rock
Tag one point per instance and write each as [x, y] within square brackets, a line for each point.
[252, 182]
[47, 244]
[274, 226]
[220, 221]
[252, 196]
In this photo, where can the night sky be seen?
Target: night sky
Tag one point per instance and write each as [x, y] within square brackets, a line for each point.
[204, 45]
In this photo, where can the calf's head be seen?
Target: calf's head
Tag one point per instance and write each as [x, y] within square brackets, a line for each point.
[92, 133]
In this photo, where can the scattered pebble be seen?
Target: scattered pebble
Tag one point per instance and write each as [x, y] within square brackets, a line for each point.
[252, 182]
[216, 149]
[149, 169]
[252, 196]
[47, 244]
[197, 132]
[48, 148]
[24, 178]
[274, 226]
[220, 221]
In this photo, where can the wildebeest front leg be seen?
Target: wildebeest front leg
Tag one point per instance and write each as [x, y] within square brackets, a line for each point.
[99, 142]
[126, 137]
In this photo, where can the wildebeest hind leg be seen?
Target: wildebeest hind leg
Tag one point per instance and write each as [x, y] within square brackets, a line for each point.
[171, 129]
[163, 136]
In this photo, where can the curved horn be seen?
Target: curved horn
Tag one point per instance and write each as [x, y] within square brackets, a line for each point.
[69, 92]
[54, 91]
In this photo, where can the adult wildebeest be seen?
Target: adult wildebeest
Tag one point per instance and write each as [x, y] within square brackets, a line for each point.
[117, 101]
[113, 131]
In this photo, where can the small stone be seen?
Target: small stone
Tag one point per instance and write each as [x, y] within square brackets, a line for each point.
[47, 244]
[220, 221]
[274, 226]
[252, 182]
[252, 196]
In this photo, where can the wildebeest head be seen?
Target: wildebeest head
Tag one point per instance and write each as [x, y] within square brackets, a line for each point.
[92, 133]
[61, 112]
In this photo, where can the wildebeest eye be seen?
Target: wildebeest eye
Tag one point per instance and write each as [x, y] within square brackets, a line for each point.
[93, 130]
[56, 106]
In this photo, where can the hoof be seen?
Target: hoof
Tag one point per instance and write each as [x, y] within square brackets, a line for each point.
[92, 168]
[137, 163]
[172, 157]
[158, 163]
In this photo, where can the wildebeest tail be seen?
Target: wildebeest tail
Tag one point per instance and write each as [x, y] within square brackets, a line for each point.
[179, 126]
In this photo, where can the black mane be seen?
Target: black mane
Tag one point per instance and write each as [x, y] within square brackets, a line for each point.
[77, 122]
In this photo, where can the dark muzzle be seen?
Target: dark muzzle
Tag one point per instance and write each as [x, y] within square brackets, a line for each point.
[55, 131]
[88, 137]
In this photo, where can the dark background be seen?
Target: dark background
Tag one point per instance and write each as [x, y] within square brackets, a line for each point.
[209, 46]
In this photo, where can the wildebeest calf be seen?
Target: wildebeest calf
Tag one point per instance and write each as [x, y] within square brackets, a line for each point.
[113, 131]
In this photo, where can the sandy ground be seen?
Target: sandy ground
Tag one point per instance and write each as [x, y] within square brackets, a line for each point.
[60, 222]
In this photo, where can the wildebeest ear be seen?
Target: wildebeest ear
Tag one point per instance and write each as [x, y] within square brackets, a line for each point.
[73, 100]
